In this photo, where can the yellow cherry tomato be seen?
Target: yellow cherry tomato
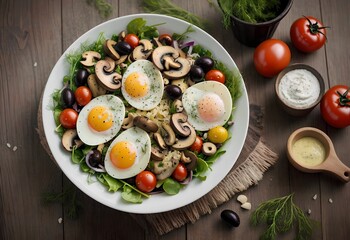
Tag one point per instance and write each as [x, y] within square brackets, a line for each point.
[218, 134]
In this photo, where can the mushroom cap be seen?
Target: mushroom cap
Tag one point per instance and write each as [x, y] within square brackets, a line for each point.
[90, 58]
[160, 52]
[180, 72]
[145, 123]
[108, 80]
[108, 47]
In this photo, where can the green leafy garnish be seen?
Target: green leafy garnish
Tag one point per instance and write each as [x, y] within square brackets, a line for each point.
[280, 215]
[67, 197]
[131, 196]
[182, 36]
[253, 11]
[201, 168]
[171, 186]
[103, 7]
[138, 26]
[166, 7]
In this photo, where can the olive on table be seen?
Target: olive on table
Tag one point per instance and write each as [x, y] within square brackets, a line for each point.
[196, 73]
[81, 77]
[95, 158]
[67, 97]
[173, 91]
[123, 48]
[230, 217]
[206, 63]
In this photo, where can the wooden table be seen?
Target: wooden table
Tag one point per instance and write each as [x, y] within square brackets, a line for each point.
[34, 34]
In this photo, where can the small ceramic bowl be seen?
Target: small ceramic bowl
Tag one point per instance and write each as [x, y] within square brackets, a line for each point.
[293, 109]
[330, 164]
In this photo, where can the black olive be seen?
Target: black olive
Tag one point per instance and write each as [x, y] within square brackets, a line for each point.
[206, 63]
[230, 217]
[173, 91]
[81, 77]
[67, 97]
[196, 73]
[123, 48]
[95, 158]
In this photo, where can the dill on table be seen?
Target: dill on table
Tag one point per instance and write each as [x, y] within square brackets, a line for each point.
[166, 7]
[252, 11]
[281, 215]
[103, 7]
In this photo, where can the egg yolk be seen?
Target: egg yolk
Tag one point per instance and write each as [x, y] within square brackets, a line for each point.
[136, 85]
[123, 154]
[100, 118]
[210, 107]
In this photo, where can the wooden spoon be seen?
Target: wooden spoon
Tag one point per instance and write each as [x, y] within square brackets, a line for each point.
[331, 163]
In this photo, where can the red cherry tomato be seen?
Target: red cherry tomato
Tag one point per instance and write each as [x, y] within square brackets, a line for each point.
[308, 34]
[146, 181]
[68, 118]
[180, 172]
[335, 106]
[83, 95]
[197, 145]
[215, 75]
[132, 39]
[271, 57]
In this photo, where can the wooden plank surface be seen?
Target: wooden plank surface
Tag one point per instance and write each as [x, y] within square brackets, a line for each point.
[33, 35]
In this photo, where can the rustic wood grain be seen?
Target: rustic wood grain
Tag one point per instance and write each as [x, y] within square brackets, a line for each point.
[38, 31]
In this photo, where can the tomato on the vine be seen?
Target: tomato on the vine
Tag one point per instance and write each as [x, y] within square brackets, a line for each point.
[83, 95]
[215, 75]
[335, 106]
[180, 172]
[308, 34]
[271, 57]
[146, 181]
[132, 40]
[197, 145]
[68, 118]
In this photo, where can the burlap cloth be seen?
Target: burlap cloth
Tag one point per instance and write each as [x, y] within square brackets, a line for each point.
[256, 158]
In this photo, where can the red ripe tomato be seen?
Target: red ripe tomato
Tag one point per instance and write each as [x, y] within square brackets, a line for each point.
[197, 145]
[68, 118]
[146, 181]
[271, 57]
[83, 95]
[180, 172]
[132, 40]
[215, 75]
[335, 106]
[308, 34]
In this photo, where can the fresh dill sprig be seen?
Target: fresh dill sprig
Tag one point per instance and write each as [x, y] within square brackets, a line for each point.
[166, 7]
[103, 7]
[68, 197]
[280, 215]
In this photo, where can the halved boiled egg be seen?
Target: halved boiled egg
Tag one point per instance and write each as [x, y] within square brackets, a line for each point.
[142, 85]
[100, 120]
[128, 154]
[208, 104]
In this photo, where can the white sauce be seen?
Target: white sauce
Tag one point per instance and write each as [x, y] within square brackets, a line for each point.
[299, 88]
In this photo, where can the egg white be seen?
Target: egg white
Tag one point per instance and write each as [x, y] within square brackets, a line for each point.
[91, 137]
[194, 93]
[156, 85]
[142, 143]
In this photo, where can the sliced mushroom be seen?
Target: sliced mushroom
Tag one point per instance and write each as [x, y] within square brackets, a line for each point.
[184, 143]
[180, 125]
[159, 139]
[156, 154]
[169, 63]
[177, 104]
[100, 147]
[170, 137]
[180, 72]
[165, 168]
[95, 88]
[122, 59]
[209, 148]
[121, 36]
[143, 51]
[190, 159]
[160, 52]
[108, 80]
[145, 123]
[90, 58]
[70, 139]
[111, 66]
[108, 47]
[128, 122]
[156, 42]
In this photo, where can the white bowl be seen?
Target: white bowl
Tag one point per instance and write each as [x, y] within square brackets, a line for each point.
[161, 202]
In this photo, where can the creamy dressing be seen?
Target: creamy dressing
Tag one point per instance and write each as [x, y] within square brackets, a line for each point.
[299, 88]
[308, 151]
